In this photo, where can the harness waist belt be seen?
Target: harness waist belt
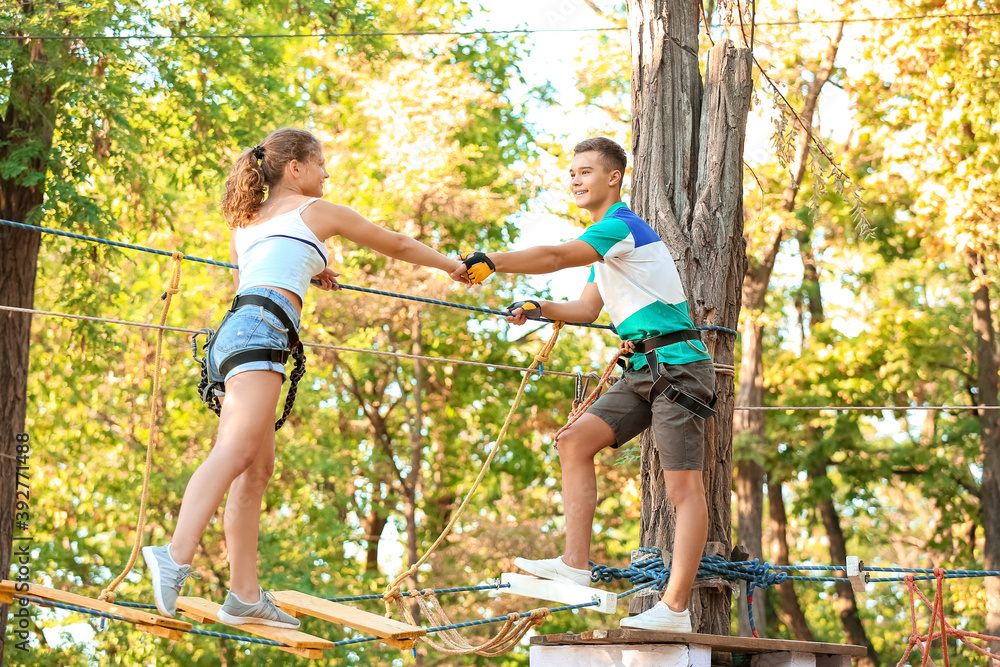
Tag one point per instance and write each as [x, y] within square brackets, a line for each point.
[650, 344]
[271, 307]
[664, 383]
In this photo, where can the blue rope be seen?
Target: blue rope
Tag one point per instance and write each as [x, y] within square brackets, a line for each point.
[652, 572]
[116, 617]
[410, 297]
[359, 598]
[344, 642]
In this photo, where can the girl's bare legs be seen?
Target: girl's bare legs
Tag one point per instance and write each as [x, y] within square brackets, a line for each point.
[242, 521]
[246, 433]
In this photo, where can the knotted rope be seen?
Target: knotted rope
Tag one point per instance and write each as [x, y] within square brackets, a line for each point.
[579, 409]
[108, 594]
[452, 641]
[946, 630]
[541, 358]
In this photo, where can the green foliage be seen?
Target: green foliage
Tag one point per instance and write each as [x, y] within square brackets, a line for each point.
[143, 140]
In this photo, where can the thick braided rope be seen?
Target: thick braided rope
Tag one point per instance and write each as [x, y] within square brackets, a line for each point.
[299, 355]
[937, 617]
[541, 358]
[452, 642]
[108, 594]
[625, 347]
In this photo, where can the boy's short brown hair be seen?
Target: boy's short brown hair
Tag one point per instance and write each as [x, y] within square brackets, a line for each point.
[612, 155]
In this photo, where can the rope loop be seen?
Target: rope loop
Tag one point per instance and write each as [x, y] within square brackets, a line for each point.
[108, 594]
[394, 585]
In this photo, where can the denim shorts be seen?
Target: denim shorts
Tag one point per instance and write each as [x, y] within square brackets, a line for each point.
[678, 432]
[251, 327]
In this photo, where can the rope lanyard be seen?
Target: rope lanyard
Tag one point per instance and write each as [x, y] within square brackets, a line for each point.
[108, 594]
[392, 591]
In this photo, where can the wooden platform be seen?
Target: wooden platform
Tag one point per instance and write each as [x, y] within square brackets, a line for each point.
[639, 648]
[298, 643]
[154, 624]
[392, 632]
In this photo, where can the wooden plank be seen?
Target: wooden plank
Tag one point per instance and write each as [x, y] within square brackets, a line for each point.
[137, 616]
[402, 635]
[199, 608]
[312, 653]
[558, 591]
[160, 631]
[737, 645]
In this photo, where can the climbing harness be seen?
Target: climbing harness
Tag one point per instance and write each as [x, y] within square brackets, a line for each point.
[209, 390]
[663, 382]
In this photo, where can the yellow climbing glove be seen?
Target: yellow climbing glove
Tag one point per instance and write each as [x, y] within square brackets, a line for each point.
[478, 266]
[531, 309]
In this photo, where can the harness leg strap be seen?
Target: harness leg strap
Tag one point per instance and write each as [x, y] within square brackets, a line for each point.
[666, 385]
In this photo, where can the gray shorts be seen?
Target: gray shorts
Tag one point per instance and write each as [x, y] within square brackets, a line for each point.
[678, 433]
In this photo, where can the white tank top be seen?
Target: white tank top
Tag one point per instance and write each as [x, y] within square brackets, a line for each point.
[280, 252]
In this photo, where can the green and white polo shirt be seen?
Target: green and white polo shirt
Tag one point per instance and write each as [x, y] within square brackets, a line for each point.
[638, 280]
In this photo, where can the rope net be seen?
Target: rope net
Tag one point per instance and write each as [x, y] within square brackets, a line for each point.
[945, 629]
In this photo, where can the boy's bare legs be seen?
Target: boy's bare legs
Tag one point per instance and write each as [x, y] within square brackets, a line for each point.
[577, 448]
[687, 492]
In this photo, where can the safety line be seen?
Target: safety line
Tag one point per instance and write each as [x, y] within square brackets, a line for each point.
[474, 33]
[267, 642]
[360, 598]
[483, 364]
[320, 35]
[323, 346]
[366, 290]
[116, 617]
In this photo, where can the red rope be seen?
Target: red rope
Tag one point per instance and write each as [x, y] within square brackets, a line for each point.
[625, 347]
[937, 616]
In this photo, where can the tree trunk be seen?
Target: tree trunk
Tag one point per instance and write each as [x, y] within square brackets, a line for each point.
[750, 425]
[25, 129]
[688, 183]
[18, 254]
[847, 605]
[987, 365]
[789, 612]
[810, 277]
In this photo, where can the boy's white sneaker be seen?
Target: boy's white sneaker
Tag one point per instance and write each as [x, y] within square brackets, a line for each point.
[554, 569]
[660, 617]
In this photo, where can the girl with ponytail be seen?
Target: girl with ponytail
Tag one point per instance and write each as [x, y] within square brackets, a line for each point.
[279, 224]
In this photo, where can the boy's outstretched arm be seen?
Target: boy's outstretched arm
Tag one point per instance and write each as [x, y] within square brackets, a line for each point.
[539, 259]
[584, 310]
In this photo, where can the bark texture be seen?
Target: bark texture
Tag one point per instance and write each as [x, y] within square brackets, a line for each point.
[988, 367]
[688, 184]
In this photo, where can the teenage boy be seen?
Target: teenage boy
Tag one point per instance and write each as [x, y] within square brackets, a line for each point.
[668, 383]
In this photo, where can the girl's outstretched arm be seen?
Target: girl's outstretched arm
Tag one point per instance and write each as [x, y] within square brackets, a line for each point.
[335, 220]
